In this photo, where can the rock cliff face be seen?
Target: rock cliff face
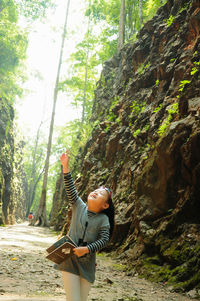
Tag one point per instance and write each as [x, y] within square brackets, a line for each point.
[12, 179]
[6, 161]
[145, 146]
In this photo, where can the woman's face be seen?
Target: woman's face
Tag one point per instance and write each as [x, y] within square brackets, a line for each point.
[97, 200]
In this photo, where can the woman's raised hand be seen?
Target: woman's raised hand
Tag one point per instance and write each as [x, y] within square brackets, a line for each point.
[64, 159]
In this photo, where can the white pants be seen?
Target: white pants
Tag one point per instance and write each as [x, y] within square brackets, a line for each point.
[76, 287]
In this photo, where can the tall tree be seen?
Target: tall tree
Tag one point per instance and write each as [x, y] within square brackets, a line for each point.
[140, 13]
[85, 87]
[41, 216]
[130, 29]
[121, 26]
[34, 178]
[86, 70]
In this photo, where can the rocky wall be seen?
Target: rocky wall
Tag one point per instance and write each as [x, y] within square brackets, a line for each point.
[146, 146]
[13, 184]
[59, 210]
[6, 162]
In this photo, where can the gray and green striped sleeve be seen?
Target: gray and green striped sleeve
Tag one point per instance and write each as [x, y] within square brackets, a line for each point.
[101, 242]
[70, 188]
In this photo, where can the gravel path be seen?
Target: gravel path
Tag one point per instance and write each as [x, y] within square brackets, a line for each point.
[25, 274]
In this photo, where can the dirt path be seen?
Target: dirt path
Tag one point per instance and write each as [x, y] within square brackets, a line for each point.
[25, 274]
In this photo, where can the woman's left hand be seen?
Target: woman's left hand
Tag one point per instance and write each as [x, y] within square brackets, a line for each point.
[80, 251]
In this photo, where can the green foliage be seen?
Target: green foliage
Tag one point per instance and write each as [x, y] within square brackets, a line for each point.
[107, 44]
[151, 6]
[174, 109]
[73, 136]
[136, 107]
[183, 83]
[171, 113]
[146, 128]
[104, 10]
[6, 153]
[158, 108]
[195, 69]
[111, 115]
[169, 21]
[83, 74]
[157, 82]
[147, 66]
[8, 7]
[195, 53]
[13, 45]
[136, 133]
[163, 127]
[185, 7]
[142, 67]
[34, 9]
[106, 15]
[34, 160]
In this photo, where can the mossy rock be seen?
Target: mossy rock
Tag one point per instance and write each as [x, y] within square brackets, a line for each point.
[177, 255]
[153, 260]
[2, 187]
[182, 277]
[189, 284]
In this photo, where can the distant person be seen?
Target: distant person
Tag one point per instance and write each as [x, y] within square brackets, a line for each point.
[91, 228]
[30, 216]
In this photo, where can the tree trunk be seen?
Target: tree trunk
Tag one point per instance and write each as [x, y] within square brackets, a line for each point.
[130, 19]
[2, 187]
[140, 13]
[40, 218]
[33, 173]
[85, 88]
[86, 75]
[135, 19]
[121, 26]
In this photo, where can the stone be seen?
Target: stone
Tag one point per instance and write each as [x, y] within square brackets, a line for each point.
[192, 294]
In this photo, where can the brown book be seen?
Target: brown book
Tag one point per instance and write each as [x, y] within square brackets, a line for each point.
[61, 250]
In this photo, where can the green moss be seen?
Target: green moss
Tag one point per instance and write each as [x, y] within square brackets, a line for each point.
[176, 256]
[189, 284]
[169, 21]
[180, 268]
[153, 260]
[163, 243]
[172, 112]
[150, 270]
[119, 267]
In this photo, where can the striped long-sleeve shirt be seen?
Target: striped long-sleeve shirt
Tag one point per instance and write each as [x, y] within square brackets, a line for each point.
[103, 230]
